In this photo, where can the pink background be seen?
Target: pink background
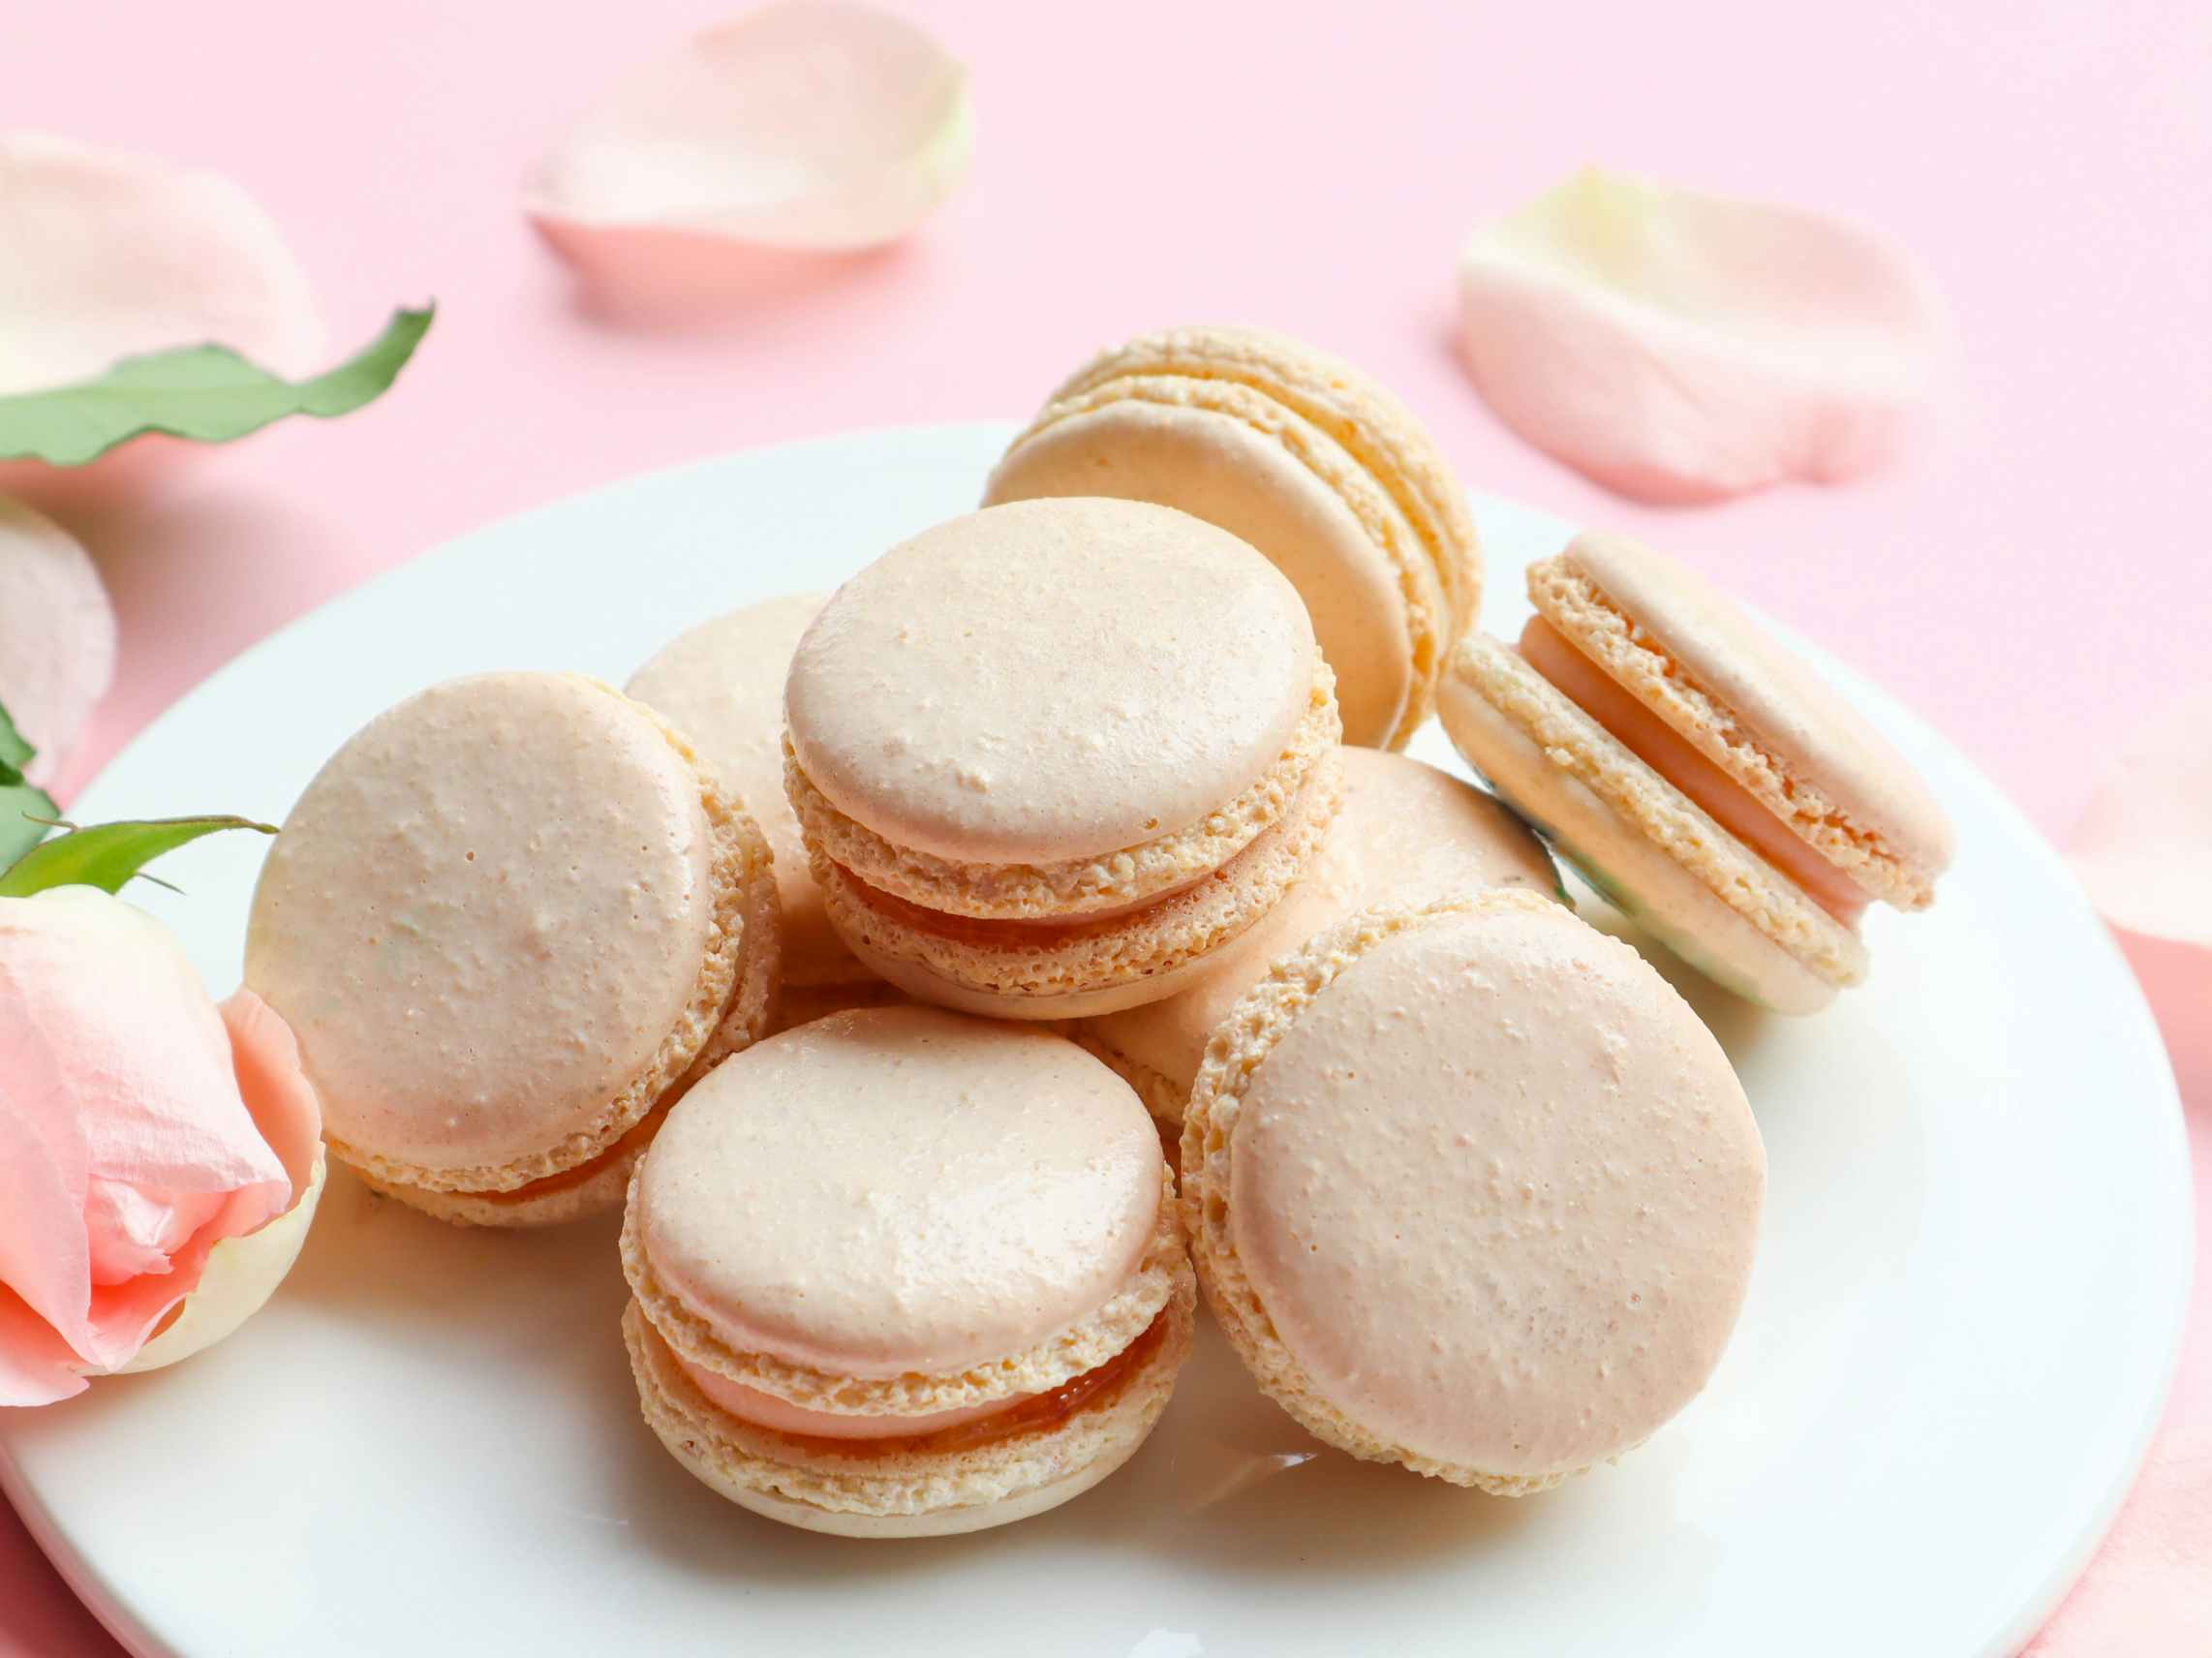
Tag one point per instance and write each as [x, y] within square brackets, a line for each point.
[2034, 587]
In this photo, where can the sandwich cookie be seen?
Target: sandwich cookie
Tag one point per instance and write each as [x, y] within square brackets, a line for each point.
[1470, 1189]
[1704, 779]
[1048, 758]
[509, 922]
[901, 1272]
[722, 686]
[1405, 833]
[1304, 457]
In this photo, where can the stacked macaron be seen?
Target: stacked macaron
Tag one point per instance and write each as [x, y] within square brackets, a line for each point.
[900, 1271]
[1700, 775]
[1309, 460]
[509, 922]
[1048, 757]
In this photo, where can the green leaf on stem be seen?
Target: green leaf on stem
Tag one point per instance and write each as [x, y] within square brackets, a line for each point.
[106, 855]
[210, 395]
[22, 803]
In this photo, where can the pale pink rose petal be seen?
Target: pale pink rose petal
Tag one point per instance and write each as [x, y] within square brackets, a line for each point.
[57, 634]
[808, 124]
[120, 1078]
[1678, 347]
[265, 1056]
[112, 254]
[2144, 846]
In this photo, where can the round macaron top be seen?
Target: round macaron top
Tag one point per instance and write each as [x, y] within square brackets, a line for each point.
[721, 684]
[1498, 1190]
[1050, 680]
[1407, 832]
[1817, 737]
[899, 1189]
[485, 916]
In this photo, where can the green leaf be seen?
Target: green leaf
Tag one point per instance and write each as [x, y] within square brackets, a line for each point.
[208, 393]
[108, 854]
[22, 803]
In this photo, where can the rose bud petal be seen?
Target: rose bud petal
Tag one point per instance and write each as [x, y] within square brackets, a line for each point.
[141, 1128]
[57, 634]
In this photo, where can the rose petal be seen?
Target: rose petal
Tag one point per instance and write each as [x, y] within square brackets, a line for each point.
[806, 124]
[57, 634]
[265, 1056]
[1678, 347]
[119, 1076]
[240, 1277]
[2144, 846]
[112, 254]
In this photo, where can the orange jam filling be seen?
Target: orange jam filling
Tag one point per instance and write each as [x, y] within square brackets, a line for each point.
[1029, 1414]
[1659, 746]
[639, 1136]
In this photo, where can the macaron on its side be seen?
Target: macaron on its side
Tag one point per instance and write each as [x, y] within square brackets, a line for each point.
[493, 859]
[1082, 967]
[1648, 847]
[1043, 755]
[720, 683]
[1471, 1190]
[900, 1271]
[1405, 832]
[1318, 409]
[1690, 655]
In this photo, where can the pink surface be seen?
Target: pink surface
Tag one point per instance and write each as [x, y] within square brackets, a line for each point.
[2030, 589]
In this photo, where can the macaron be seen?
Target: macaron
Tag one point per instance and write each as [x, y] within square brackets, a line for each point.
[1407, 832]
[1306, 458]
[1048, 756]
[903, 1272]
[1470, 1189]
[722, 686]
[1698, 773]
[509, 922]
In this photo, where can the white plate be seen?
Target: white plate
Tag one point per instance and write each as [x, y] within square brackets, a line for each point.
[1959, 1335]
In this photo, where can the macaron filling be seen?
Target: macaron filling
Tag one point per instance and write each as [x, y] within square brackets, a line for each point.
[1586, 684]
[958, 1428]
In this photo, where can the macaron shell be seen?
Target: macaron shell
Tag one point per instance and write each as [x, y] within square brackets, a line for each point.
[900, 1190]
[492, 919]
[1050, 680]
[721, 684]
[1407, 832]
[1753, 707]
[1640, 840]
[1238, 459]
[1474, 1190]
[57, 634]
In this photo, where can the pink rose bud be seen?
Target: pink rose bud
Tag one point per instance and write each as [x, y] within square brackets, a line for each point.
[140, 1128]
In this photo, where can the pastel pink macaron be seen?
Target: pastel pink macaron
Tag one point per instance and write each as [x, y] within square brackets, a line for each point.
[1702, 776]
[509, 922]
[1471, 1188]
[1048, 758]
[902, 1272]
[720, 683]
[1407, 832]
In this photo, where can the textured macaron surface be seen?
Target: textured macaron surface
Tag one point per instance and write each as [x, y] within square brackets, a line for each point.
[1752, 706]
[899, 1189]
[1050, 680]
[1405, 832]
[1499, 1192]
[485, 916]
[721, 684]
